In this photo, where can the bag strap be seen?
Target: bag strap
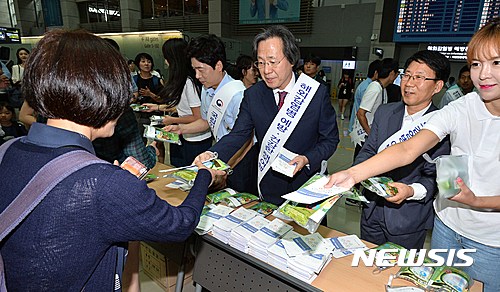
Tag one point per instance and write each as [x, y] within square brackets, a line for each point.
[5, 146]
[45, 180]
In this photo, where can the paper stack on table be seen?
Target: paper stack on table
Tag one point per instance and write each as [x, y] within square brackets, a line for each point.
[276, 254]
[241, 235]
[222, 228]
[267, 236]
[306, 267]
[346, 245]
[207, 221]
[302, 244]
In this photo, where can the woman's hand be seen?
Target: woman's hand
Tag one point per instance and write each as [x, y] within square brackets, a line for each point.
[219, 177]
[466, 196]
[173, 129]
[151, 107]
[145, 92]
[342, 179]
[153, 144]
[168, 120]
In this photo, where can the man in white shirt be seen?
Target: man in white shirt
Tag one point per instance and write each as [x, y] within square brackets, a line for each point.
[374, 96]
[405, 218]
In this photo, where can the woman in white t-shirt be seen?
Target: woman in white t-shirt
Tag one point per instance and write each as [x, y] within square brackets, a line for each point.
[22, 55]
[182, 92]
[470, 219]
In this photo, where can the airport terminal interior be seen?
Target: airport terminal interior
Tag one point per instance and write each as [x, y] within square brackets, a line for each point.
[347, 35]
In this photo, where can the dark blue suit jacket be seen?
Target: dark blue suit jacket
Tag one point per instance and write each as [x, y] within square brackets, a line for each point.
[315, 136]
[411, 215]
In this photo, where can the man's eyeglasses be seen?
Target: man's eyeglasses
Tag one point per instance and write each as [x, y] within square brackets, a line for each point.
[417, 78]
[270, 63]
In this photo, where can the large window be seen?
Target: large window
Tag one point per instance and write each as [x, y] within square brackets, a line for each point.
[170, 8]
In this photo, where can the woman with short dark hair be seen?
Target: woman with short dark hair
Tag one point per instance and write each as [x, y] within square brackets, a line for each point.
[69, 242]
[149, 85]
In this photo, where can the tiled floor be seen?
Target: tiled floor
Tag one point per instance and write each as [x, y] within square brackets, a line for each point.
[341, 217]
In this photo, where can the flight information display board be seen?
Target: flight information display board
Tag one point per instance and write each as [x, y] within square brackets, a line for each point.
[442, 21]
[10, 35]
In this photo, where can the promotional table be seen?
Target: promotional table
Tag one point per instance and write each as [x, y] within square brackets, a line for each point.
[220, 267]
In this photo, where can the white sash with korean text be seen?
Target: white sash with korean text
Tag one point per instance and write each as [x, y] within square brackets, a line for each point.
[296, 103]
[220, 102]
[358, 134]
[406, 132]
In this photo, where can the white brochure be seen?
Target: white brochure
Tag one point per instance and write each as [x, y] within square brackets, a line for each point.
[280, 164]
[314, 192]
[346, 245]
[303, 244]
[271, 233]
[207, 221]
[234, 219]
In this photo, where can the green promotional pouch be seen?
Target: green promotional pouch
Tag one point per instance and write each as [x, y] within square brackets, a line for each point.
[264, 208]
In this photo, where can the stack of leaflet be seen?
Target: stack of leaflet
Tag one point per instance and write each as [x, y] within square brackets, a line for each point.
[346, 245]
[222, 228]
[308, 265]
[207, 221]
[267, 236]
[302, 244]
[276, 254]
[241, 235]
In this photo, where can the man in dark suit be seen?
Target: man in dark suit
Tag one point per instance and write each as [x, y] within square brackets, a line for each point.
[315, 136]
[405, 218]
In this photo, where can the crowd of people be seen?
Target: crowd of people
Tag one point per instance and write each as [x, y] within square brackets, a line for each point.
[69, 105]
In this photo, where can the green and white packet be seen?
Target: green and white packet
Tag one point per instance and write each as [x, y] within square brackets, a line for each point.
[443, 278]
[239, 199]
[379, 186]
[264, 208]
[188, 175]
[354, 194]
[218, 196]
[158, 134]
[308, 216]
[450, 279]
[138, 107]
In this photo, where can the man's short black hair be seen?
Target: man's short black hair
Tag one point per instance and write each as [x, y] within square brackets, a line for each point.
[465, 68]
[435, 60]
[374, 66]
[388, 65]
[208, 49]
[313, 59]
